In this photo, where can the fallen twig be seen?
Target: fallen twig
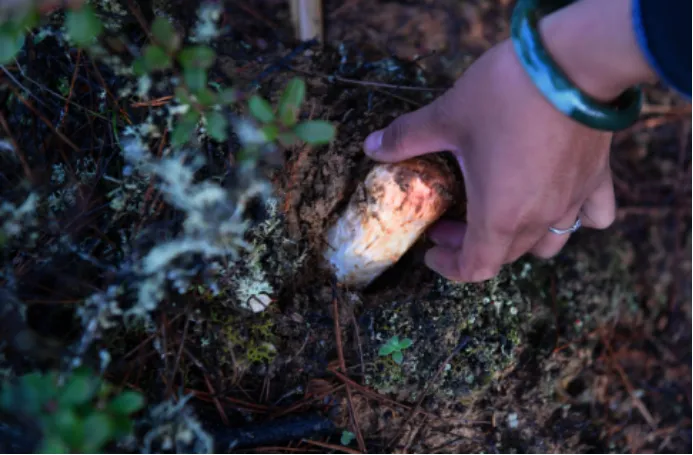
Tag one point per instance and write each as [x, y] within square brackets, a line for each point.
[217, 404]
[17, 150]
[629, 387]
[367, 83]
[415, 411]
[326, 445]
[342, 366]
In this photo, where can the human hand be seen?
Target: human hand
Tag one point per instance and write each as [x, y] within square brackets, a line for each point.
[526, 167]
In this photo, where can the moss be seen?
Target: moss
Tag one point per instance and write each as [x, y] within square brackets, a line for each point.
[250, 339]
[264, 352]
[593, 284]
[531, 307]
[484, 323]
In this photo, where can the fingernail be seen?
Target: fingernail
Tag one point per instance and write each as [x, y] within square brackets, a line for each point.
[373, 142]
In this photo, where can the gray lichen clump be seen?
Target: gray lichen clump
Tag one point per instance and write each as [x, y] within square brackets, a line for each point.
[269, 263]
[483, 323]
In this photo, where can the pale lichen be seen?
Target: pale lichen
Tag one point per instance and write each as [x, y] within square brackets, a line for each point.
[18, 217]
[173, 427]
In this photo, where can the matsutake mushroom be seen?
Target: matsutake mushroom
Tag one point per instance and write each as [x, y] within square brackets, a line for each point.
[387, 213]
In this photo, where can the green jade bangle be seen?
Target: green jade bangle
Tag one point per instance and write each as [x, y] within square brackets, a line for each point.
[555, 85]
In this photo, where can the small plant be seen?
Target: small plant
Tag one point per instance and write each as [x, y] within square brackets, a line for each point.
[81, 415]
[282, 124]
[394, 347]
[82, 24]
[347, 437]
[167, 52]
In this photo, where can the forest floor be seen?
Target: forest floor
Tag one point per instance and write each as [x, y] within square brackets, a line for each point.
[588, 352]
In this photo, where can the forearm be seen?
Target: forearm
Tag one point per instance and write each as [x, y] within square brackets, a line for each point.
[594, 42]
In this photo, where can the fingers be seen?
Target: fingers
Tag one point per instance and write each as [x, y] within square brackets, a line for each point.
[413, 134]
[463, 254]
[597, 212]
[599, 209]
[551, 244]
[480, 258]
[449, 234]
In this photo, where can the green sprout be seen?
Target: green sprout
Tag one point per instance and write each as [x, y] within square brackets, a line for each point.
[83, 25]
[81, 415]
[282, 124]
[347, 437]
[395, 347]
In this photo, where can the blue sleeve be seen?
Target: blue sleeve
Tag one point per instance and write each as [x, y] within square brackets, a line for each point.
[663, 31]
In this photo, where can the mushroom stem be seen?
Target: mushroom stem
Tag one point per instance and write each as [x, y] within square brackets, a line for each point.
[388, 212]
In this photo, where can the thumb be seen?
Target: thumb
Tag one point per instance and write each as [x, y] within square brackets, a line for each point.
[413, 134]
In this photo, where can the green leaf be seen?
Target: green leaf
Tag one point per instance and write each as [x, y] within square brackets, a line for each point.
[261, 109]
[271, 131]
[290, 102]
[126, 403]
[97, 431]
[83, 25]
[206, 97]
[398, 357]
[185, 126]
[121, 426]
[164, 34]
[197, 57]
[53, 444]
[228, 96]
[30, 19]
[11, 43]
[34, 391]
[347, 437]
[405, 343]
[195, 78]
[216, 126]
[77, 390]
[386, 350]
[156, 58]
[182, 95]
[69, 426]
[315, 132]
[247, 155]
[139, 67]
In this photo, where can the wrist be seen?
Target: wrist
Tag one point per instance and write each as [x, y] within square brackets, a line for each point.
[594, 43]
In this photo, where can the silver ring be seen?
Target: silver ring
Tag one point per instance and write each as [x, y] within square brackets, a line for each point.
[570, 230]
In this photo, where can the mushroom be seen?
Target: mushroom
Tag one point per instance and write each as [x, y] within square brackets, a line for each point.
[386, 214]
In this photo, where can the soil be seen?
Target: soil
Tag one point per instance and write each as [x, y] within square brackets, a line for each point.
[587, 352]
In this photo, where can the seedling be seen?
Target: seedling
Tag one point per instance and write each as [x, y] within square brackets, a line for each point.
[394, 347]
[347, 437]
[83, 414]
[282, 124]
